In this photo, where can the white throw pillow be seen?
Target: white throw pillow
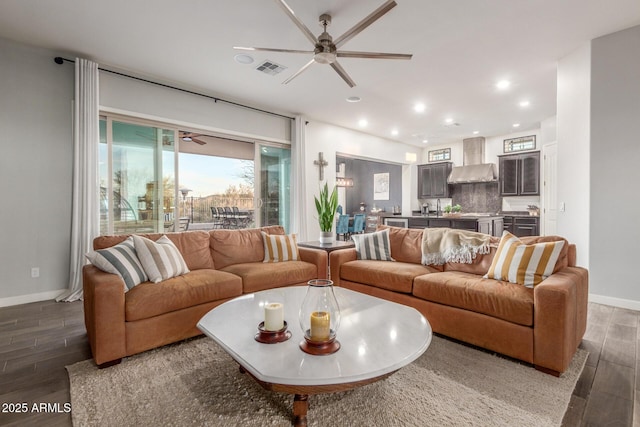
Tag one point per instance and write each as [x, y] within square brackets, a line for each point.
[161, 259]
[122, 260]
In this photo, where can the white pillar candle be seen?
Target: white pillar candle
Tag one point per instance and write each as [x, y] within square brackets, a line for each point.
[273, 316]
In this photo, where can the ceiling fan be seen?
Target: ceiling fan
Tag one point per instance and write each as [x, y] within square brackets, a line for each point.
[190, 136]
[326, 50]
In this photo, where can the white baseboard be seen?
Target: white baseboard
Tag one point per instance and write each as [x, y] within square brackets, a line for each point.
[25, 299]
[615, 302]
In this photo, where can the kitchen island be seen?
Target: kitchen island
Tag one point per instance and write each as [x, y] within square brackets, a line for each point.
[483, 223]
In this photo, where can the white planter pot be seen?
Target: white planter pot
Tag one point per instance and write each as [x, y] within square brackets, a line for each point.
[326, 237]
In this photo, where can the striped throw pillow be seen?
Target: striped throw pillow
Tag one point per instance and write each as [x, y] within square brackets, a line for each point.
[278, 247]
[523, 264]
[373, 246]
[122, 260]
[161, 259]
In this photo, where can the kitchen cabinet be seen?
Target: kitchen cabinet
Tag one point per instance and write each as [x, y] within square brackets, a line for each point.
[520, 174]
[432, 180]
[522, 225]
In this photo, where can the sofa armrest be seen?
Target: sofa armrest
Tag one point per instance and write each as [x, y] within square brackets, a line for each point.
[336, 259]
[560, 317]
[317, 257]
[104, 315]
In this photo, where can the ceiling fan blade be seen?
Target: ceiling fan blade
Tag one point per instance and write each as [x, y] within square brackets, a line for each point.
[370, 19]
[373, 55]
[304, 67]
[198, 141]
[343, 73]
[268, 49]
[298, 22]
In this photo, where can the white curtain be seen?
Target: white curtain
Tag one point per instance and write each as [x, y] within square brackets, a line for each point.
[85, 214]
[298, 179]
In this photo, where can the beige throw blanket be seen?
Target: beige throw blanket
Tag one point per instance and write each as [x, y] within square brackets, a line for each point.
[442, 245]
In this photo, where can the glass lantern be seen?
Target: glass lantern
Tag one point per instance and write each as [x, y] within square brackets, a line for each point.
[319, 318]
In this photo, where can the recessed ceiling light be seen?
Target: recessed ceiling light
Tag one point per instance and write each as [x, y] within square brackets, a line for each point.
[243, 58]
[475, 132]
[424, 141]
[516, 125]
[353, 99]
[503, 84]
[363, 122]
[448, 120]
[524, 103]
[419, 107]
[394, 132]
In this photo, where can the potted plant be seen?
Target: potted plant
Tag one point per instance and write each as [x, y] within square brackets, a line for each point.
[326, 206]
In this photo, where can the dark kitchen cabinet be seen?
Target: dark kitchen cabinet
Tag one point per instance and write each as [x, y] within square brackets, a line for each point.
[520, 174]
[432, 180]
[522, 225]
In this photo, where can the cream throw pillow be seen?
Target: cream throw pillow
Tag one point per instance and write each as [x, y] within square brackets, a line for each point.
[278, 248]
[161, 259]
[523, 264]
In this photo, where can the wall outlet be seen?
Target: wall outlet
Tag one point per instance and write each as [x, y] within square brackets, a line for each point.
[35, 272]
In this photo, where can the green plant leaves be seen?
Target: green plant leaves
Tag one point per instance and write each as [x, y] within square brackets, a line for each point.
[326, 206]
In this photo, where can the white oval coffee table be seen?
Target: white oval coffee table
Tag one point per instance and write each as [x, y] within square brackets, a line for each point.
[377, 338]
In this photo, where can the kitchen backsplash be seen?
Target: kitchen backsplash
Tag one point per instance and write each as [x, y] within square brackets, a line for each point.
[477, 197]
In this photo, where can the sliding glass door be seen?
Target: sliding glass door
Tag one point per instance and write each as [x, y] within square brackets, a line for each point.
[137, 178]
[274, 200]
[139, 163]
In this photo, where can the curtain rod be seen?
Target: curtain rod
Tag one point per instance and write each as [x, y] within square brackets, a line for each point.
[60, 60]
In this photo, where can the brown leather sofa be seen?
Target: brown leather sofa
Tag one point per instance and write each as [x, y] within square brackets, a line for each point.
[223, 264]
[542, 325]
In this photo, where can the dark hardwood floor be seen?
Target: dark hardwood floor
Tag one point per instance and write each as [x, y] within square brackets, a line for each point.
[38, 340]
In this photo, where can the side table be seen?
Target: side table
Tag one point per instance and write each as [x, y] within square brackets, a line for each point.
[329, 247]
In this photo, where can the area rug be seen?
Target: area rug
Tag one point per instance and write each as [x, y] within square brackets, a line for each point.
[195, 383]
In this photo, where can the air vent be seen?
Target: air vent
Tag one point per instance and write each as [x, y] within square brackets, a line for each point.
[451, 125]
[271, 68]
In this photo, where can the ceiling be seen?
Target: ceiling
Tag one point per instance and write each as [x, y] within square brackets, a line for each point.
[460, 48]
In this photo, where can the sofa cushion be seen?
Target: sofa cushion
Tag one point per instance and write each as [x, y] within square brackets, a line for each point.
[523, 264]
[259, 276]
[406, 244]
[193, 245]
[280, 248]
[161, 259]
[239, 246]
[121, 260]
[394, 276]
[197, 287]
[373, 246]
[503, 300]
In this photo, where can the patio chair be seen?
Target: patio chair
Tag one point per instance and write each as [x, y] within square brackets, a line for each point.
[240, 217]
[218, 220]
[231, 219]
[342, 226]
[183, 223]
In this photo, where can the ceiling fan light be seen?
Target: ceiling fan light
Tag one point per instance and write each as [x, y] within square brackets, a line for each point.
[187, 138]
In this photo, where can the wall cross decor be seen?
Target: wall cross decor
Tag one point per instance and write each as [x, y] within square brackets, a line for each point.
[321, 163]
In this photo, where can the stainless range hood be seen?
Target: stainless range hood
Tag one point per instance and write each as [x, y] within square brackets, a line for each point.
[474, 170]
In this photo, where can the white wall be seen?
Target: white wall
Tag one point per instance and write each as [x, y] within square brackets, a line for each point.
[122, 94]
[35, 172]
[330, 139]
[615, 171]
[573, 119]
